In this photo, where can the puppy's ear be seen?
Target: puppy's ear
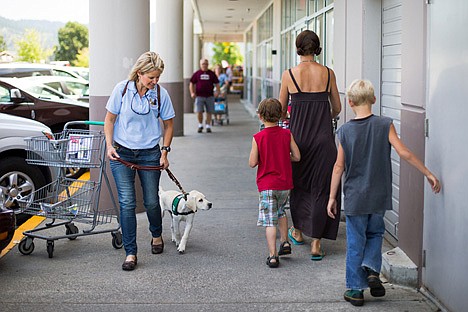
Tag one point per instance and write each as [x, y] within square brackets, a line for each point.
[192, 203]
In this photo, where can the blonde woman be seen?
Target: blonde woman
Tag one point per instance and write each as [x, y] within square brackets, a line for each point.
[133, 133]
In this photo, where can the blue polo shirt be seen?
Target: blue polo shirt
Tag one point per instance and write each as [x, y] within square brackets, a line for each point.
[137, 125]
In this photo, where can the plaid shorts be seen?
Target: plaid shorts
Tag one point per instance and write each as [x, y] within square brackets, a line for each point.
[271, 207]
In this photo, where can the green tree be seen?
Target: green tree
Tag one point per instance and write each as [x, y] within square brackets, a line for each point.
[72, 38]
[228, 51]
[82, 58]
[30, 49]
[3, 45]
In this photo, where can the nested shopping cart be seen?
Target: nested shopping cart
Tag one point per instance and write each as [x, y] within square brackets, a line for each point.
[66, 199]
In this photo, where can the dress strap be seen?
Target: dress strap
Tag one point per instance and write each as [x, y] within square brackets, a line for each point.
[328, 82]
[294, 80]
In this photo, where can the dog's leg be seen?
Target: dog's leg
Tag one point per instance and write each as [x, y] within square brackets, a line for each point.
[176, 231]
[173, 233]
[188, 228]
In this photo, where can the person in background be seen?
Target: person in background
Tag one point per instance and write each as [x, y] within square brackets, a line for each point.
[314, 102]
[201, 89]
[273, 149]
[223, 80]
[367, 188]
[133, 132]
[229, 73]
[223, 85]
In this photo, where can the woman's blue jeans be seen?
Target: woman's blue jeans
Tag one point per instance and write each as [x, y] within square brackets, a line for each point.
[364, 235]
[125, 181]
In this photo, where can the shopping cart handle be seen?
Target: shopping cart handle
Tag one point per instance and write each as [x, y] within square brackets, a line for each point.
[83, 122]
[94, 123]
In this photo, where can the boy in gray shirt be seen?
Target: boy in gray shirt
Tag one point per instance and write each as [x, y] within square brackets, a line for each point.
[364, 157]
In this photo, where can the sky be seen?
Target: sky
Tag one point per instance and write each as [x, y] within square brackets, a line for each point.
[50, 10]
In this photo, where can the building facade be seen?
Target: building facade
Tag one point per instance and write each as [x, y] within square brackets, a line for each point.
[414, 52]
[416, 61]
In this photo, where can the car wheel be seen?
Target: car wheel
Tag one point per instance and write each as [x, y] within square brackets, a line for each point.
[18, 179]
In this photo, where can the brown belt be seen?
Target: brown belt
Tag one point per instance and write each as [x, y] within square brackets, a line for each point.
[169, 173]
[138, 167]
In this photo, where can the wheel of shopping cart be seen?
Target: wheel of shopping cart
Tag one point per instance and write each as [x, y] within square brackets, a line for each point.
[71, 229]
[50, 248]
[26, 246]
[117, 242]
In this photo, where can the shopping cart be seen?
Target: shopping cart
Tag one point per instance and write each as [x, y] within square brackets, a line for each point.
[221, 111]
[70, 200]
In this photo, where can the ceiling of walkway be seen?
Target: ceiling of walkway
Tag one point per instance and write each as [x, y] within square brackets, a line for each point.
[226, 20]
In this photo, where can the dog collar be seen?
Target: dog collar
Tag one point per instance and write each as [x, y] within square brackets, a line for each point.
[175, 204]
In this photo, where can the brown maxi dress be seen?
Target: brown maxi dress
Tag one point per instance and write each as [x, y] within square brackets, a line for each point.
[311, 126]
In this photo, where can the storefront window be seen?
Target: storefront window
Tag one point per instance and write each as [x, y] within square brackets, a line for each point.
[319, 30]
[286, 19]
[248, 72]
[320, 5]
[319, 19]
[265, 25]
[301, 9]
[329, 36]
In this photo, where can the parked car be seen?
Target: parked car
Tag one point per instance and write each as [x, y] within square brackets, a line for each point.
[72, 87]
[7, 226]
[38, 90]
[19, 70]
[82, 71]
[18, 179]
[53, 113]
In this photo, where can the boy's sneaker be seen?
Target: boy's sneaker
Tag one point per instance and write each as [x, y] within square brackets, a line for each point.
[208, 130]
[375, 284]
[200, 129]
[354, 296]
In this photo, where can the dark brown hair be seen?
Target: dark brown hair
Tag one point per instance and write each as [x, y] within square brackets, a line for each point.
[308, 43]
[270, 110]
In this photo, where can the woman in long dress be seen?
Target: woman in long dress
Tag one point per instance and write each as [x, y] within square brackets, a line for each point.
[311, 88]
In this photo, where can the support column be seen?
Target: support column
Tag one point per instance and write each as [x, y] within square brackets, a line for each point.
[196, 52]
[188, 54]
[168, 42]
[112, 55]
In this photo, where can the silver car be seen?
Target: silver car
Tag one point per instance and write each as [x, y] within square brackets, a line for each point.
[18, 178]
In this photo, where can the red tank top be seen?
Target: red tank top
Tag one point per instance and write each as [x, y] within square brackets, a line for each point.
[274, 160]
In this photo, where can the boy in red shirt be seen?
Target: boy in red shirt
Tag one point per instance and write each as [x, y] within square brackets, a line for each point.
[273, 149]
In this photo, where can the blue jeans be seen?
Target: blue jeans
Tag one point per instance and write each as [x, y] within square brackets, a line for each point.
[125, 181]
[364, 240]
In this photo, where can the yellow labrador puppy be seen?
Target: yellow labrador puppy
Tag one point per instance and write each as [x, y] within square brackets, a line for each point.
[182, 209]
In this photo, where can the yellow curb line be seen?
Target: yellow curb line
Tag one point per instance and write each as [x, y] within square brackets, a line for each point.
[30, 224]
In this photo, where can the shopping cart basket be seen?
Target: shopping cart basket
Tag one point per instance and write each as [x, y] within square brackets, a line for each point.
[221, 111]
[71, 200]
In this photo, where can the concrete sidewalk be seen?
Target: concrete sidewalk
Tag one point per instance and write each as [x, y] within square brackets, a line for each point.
[223, 268]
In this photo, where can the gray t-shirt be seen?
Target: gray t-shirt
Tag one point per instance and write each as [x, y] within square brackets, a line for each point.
[368, 172]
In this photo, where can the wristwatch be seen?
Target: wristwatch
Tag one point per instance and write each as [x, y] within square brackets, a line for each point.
[166, 148]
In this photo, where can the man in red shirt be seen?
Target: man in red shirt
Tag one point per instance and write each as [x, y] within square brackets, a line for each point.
[201, 89]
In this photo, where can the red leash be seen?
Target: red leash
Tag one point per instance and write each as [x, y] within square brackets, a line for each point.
[169, 173]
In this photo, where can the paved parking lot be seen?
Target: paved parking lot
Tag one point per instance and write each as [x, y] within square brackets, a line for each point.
[223, 268]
